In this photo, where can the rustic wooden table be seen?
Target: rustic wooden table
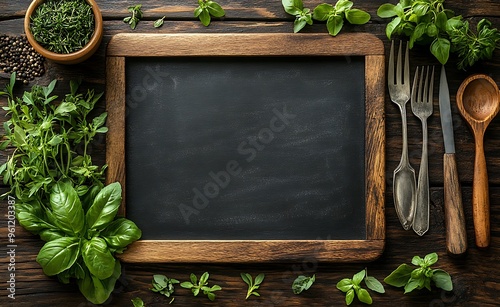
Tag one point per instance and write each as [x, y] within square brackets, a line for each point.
[476, 276]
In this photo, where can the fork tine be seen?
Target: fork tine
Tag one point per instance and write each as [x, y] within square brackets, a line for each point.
[407, 68]
[425, 96]
[399, 66]
[420, 87]
[390, 76]
[431, 89]
[414, 89]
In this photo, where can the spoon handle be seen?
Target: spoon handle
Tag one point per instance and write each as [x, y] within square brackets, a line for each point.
[480, 197]
[456, 236]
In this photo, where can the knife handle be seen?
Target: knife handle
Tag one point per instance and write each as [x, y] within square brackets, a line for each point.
[456, 236]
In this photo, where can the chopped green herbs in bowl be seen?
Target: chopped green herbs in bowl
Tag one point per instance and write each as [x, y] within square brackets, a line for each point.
[65, 31]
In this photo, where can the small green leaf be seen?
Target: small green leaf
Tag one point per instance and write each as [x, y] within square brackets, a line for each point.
[400, 276]
[391, 26]
[323, 11]
[442, 280]
[345, 285]
[386, 10]
[293, 7]
[215, 9]
[413, 284]
[159, 22]
[137, 302]
[204, 17]
[373, 284]
[430, 259]
[358, 277]
[334, 24]
[302, 283]
[364, 296]
[349, 297]
[259, 279]
[343, 5]
[440, 48]
[417, 260]
[441, 21]
[247, 278]
[357, 17]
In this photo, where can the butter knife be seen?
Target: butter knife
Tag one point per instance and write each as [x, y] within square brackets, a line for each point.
[456, 236]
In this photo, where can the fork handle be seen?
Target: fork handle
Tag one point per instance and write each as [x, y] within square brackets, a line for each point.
[456, 236]
[421, 218]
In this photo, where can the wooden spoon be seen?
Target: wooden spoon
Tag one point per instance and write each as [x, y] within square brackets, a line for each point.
[478, 100]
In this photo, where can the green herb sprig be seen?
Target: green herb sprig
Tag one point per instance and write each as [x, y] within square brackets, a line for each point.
[63, 26]
[60, 194]
[353, 287]
[44, 135]
[302, 283]
[159, 22]
[207, 8]
[333, 15]
[428, 22]
[137, 302]
[252, 285]
[418, 278]
[133, 20]
[164, 285]
[201, 286]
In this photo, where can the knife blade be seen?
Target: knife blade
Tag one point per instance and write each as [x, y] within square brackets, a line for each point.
[456, 237]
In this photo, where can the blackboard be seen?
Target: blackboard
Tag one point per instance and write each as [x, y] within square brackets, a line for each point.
[250, 147]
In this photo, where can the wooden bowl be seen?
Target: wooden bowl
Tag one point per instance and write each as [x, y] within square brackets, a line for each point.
[67, 58]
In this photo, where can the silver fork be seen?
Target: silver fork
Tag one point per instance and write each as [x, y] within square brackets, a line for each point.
[404, 174]
[421, 105]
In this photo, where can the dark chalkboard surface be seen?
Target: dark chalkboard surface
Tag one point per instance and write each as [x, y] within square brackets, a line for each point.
[291, 131]
[232, 142]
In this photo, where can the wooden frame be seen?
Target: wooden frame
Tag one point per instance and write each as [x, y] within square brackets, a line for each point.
[228, 45]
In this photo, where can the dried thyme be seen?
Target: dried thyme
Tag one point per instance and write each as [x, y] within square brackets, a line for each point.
[63, 26]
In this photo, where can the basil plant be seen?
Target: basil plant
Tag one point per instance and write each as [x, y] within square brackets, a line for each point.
[81, 236]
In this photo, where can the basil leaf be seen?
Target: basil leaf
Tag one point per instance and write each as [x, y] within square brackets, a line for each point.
[441, 21]
[98, 258]
[323, 11]
[66, 208]
[358, 277]
[430, 259]
[334, 24]
[58, 255]
[391, 26]
[137, 302]
[357, 17]
[205, 17]
[440, 48]
[65, 108]
[345, 285]
[442, 280]
[386, 10]
[215, 9]
[400, 276]
[105, 206]
[98, 291]
[120, 233]
[349, 297]
[293, 7]
[364, 296]
[417, 260]
[101, 119]
[299, 24]
[51, 234]
[413, 284]
[343, 5]
[373, 284]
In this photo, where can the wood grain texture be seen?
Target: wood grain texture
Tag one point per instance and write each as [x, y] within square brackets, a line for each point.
[115, 138]
[252, 44]
[456, 237]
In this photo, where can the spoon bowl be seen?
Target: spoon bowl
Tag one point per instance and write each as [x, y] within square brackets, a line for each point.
[478, 101]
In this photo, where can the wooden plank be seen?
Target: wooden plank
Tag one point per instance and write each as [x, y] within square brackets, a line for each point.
[245, 9]
[116, 108]
[252, 44]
